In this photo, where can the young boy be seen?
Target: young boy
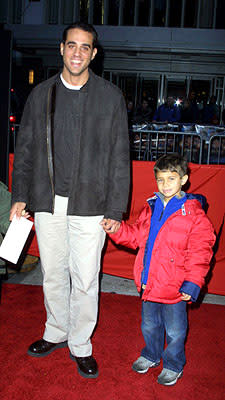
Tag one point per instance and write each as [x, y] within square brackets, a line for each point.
[175, 240]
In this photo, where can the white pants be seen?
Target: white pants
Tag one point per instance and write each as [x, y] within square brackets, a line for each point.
[70, 251]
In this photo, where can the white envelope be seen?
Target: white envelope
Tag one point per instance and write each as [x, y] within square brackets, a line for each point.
[15, 239]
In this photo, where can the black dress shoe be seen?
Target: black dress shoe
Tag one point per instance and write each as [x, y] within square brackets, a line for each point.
[42, 348]
[87, 366]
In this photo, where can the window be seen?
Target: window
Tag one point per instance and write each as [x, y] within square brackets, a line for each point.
[84, 8]
[159, 13]
[144, 13]
[206, 14]
[68, 9]
[220, 12]
[3, 12]
[98, 12]
[15, 11]
[52, 9]
[191, 11]
[113, 16]
[175, 13]
[128, 12]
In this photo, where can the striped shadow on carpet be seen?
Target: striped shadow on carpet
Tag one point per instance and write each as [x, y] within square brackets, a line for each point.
[117, 342]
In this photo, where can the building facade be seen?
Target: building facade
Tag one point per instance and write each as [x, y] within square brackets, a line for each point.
[149, 48]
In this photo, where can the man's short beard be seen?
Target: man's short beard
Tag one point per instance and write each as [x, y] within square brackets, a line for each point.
[75, 73]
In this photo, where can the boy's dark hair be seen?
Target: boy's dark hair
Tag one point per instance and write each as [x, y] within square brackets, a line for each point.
[173, 163]
[84, 27]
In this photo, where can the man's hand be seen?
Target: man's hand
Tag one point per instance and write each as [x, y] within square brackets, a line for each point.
[185, 296]
[110, 225]
[18, 209]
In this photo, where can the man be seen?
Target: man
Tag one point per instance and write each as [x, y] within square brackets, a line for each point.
[72, 169]
[210, 112]
[143, 113]
[195, 112]
[167, 112]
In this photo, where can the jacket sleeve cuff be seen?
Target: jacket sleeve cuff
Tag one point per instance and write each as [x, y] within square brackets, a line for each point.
[116, 215]
[191, 289]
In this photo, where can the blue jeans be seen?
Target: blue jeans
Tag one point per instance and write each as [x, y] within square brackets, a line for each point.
[158, 319]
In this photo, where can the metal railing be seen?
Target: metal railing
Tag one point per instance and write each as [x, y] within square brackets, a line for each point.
[201, 147]
[150, 144]
[216, 150]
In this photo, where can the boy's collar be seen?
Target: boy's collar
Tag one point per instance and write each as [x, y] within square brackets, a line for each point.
[160, 195]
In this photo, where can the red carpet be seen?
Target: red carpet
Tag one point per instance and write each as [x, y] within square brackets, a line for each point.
[117, 343]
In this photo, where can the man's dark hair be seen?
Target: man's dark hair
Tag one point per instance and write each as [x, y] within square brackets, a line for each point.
[84, 27]
[173, 163]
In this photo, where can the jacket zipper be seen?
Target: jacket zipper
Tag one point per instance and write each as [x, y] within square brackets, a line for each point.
[144, 264]
[162, 213]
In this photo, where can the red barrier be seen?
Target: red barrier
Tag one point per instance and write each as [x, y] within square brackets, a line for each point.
[208, 180]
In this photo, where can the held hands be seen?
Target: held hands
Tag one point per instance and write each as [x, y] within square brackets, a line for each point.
[185, 296]
[18, 209]
[110, 225]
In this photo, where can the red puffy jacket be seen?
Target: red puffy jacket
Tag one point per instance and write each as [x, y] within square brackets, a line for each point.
[181, 252]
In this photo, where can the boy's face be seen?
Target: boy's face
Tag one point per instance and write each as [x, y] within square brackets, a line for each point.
[170, 184]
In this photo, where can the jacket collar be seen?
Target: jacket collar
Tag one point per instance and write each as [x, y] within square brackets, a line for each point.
[161, 197]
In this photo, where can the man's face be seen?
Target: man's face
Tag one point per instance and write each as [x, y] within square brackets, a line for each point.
[130, 105]
[192, 96]
[170, 101]
[170, 184]
[77, 53]
[144, 104]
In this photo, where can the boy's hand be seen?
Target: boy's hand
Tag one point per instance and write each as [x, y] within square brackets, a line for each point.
[110, 225]
[185, 296]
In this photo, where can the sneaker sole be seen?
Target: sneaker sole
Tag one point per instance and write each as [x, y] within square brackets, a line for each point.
[172, 382]
[58, 346]
[81, 372]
